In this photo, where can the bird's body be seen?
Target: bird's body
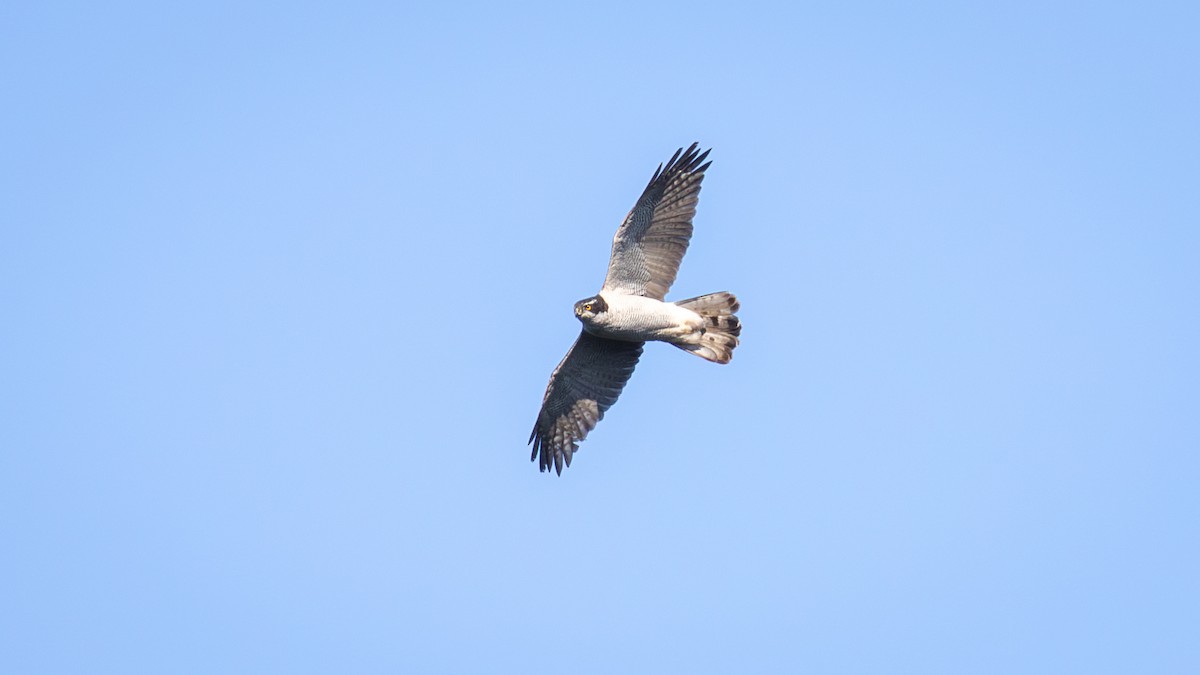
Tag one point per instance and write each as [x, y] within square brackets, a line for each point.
[631, 310]
[636, 318]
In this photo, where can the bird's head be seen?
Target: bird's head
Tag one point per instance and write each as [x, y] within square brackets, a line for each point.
[587, 309]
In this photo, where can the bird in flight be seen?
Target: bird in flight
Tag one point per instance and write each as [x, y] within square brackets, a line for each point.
[630, 310]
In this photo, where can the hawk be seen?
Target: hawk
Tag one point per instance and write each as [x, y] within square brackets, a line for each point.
[631, 309]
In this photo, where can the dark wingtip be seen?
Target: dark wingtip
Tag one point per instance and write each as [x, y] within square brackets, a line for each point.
[657, 173]
[686, 161]
[696, 160]
[683, 161]
[548, 459]
[680, 158]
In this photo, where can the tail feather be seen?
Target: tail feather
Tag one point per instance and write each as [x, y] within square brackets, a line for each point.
[719, 336]
[713, 304]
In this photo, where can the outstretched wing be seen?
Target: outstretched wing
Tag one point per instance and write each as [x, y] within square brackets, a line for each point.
[651, 241]
[585, 384]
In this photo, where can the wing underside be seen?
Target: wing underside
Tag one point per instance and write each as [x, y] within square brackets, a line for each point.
[583, 386]
[651, 241]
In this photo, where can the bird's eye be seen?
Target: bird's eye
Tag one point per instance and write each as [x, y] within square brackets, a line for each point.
[587, 307]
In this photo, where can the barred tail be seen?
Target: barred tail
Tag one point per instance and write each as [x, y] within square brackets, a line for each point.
[719, 336]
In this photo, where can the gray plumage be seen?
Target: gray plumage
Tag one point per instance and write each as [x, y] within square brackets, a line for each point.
[630, 310]
[651, 241]
[587, 381]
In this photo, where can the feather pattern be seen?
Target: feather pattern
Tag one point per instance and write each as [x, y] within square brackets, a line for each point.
[584, 385]
[651, 241]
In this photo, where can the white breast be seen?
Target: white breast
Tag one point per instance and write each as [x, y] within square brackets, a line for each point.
[633, 317]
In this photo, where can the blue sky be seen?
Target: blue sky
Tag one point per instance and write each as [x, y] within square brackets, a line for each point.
[283, 286]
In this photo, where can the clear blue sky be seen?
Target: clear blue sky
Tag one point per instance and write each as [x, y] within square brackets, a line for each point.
[282, 287]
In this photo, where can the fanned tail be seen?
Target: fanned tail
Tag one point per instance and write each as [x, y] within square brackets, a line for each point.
[719, 336]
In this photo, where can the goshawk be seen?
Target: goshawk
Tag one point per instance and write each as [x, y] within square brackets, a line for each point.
[630, 310]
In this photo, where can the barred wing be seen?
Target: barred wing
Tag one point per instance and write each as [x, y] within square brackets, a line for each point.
[650, 243]
[585, 384]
